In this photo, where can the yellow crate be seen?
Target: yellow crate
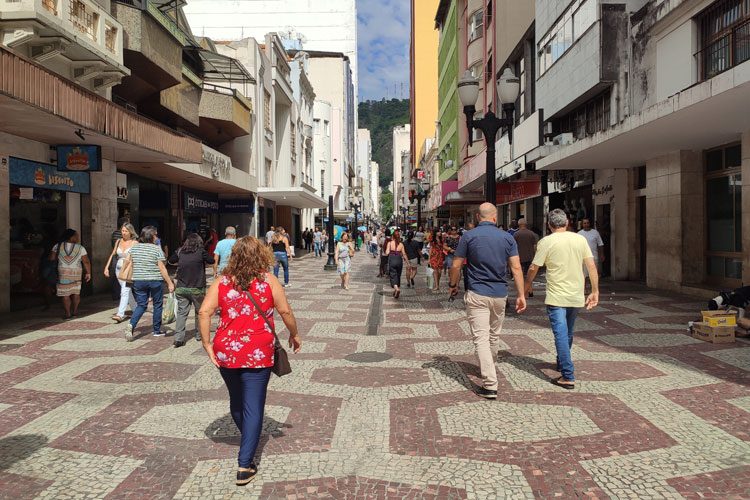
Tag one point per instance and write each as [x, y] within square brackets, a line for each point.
[719, 318]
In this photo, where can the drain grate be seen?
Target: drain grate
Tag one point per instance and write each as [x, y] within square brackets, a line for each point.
[368, 357]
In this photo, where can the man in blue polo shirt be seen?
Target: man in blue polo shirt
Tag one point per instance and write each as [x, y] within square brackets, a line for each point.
[487, 251]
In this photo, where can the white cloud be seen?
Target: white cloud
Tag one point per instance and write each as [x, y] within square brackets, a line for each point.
[383, 34]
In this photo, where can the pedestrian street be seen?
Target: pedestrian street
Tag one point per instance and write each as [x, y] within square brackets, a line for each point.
[381, 404]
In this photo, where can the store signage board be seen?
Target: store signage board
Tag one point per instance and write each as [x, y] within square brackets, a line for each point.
[79, 158]
[195, 202]
[508, 192]
[238, 206]
[41, 175]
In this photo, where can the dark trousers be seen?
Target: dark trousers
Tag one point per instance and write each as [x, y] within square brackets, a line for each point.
[395, 265]
[525, 268]
[143, 290]
[383, 264]
[247, 400]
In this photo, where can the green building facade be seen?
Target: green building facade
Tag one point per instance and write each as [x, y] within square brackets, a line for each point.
[448, 104]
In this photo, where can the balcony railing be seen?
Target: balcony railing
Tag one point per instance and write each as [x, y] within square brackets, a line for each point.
[725, 53]
[93, 25]
[85, 21]
[219, 89]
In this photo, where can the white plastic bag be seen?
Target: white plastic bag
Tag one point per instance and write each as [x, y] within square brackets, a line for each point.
[428, 273]
[291, 248]
[169, 311]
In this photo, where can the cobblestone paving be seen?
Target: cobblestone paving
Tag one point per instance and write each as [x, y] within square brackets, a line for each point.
[380, 405]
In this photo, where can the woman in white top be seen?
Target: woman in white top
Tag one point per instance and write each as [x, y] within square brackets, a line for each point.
[122, 247]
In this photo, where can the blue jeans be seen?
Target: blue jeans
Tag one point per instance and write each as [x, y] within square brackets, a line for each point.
[448, 261]
[283, 258]
[318, 250]
[563, 320]
[247, 400]
[143, 290]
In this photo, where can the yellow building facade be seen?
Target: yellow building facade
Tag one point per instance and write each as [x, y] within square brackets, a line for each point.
[423, 74]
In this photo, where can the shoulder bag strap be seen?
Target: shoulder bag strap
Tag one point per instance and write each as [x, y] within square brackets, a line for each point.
[263, 315]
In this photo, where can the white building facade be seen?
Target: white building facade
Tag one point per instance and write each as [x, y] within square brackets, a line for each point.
[401, 147]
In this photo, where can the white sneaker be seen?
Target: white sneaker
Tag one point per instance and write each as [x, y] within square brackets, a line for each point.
[129, 333]
[287, 285]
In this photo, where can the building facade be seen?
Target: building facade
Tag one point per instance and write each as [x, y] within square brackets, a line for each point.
[423, 74]
[149, 130]
[401, 168]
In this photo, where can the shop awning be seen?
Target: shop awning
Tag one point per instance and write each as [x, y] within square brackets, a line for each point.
[297, 197]
[708, 114]
[38, 104]
[221, 68]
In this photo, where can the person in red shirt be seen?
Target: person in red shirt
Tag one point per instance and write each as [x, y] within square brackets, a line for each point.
[211, 241]
[243, 347]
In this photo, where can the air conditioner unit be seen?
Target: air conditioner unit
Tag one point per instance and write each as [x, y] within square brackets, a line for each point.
[563, 139]
[548, 129]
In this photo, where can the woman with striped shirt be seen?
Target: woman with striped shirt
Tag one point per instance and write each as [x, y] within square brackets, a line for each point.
[149, 275]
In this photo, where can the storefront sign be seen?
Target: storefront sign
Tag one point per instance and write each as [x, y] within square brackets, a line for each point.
[122, 186]
[443, 212]
[79, 158]
[217, 162]
[41, 175]
[508, 192]
[195, 202]
[241, 206]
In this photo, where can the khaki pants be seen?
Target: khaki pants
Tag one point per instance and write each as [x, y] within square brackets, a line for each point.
[485, 316]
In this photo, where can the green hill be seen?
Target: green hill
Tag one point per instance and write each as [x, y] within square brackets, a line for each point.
[379, 117]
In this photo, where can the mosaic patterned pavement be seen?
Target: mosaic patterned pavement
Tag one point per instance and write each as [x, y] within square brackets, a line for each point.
[380, 405]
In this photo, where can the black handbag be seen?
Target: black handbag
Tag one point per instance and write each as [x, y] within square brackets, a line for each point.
[281, 364]
[113, 262]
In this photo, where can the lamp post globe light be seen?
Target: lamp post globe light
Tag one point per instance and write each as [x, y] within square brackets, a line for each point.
[418, 191]
[508, 87]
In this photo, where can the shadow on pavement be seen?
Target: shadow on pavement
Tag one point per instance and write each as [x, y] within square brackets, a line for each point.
[457, 370]
[17, 448]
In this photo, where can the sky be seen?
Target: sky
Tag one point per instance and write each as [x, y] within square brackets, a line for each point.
[383, 47]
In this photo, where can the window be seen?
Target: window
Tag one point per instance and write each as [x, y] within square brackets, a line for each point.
[322, 183]
[574, 22]
[724, 215]
[724, 36]
[587, 119]
[327, 128]
[476, 134]
[476, 25]
[267, 111]
[316, 126]
[476, 70]
[293, 139]
[640, 177]
[521, 102]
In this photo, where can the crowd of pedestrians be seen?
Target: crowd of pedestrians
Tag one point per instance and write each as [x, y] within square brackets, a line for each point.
[484, 260]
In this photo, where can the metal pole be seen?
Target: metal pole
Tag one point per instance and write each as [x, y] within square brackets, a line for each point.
[490, 193]
[419, 212]
[331, 264]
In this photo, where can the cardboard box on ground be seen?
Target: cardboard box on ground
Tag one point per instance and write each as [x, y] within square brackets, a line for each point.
[713, 334]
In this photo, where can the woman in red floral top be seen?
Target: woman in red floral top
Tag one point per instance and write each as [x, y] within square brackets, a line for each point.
[243, 347]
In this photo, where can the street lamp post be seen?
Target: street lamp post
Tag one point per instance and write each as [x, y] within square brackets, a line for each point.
[331, 263]
[418, 192]
[355, 203]
[404, 211]
[507, 90]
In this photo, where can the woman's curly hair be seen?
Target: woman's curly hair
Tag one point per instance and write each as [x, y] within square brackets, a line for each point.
[250, 260]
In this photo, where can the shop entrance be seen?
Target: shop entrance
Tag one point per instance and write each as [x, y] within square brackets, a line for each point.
[43, 203]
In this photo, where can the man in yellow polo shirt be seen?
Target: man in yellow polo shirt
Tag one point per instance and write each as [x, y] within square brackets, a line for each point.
[564, 253]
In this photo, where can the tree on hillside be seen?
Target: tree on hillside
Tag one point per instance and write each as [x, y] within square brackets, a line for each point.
[379, 117]
[386, 201]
